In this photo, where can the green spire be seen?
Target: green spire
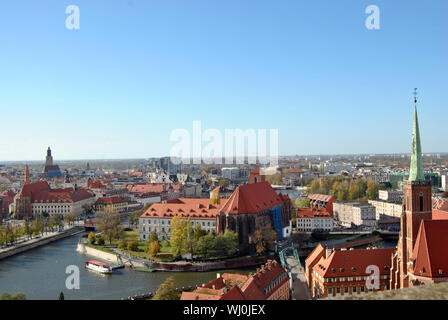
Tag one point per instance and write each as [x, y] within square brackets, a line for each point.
[416, 172]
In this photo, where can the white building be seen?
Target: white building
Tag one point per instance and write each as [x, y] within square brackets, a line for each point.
[309, 220]
[386, 210]
[355, 214]
[391, 195]
[157, 218]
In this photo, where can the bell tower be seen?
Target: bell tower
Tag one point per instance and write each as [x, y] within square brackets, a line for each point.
[417, 202]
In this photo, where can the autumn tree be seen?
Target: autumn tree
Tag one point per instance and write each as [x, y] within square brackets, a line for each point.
[108, 222]
[265, 238]
[181, 236]
[167, 291]
[154, 248]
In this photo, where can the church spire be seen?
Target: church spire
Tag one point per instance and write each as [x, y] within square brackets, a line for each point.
[27, 175]
[416, 172]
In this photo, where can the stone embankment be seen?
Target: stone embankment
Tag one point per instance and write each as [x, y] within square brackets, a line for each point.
[35, 243]
[180, 266]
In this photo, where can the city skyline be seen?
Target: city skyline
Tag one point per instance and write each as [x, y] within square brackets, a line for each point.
[135, 71]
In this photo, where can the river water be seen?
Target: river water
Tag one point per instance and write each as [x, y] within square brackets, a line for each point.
[40, 274]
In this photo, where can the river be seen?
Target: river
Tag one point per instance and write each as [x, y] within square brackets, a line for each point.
[40, 274]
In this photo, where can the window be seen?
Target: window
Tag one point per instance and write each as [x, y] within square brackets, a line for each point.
[421, 201]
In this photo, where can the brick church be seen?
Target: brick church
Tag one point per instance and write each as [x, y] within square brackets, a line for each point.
[422, 251]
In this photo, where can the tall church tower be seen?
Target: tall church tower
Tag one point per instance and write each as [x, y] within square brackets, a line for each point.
[27, 175]
[417, 206]
[49, 158]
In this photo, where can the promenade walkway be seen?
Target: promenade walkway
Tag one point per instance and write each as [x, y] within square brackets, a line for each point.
[300, 289]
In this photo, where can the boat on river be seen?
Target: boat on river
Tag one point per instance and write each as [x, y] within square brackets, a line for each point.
[98, 267]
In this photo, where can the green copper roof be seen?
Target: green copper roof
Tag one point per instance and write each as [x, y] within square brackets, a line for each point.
[416, 173]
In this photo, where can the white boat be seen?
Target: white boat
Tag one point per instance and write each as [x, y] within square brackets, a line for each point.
[98, 266]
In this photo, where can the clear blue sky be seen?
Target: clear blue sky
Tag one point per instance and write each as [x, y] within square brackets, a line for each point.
[138, 69]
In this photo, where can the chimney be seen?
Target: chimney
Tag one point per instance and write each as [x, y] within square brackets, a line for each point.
[327, 253]
[218, 275]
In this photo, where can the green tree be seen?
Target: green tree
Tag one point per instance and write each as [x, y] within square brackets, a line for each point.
[167, 291]
[133, 245]
[302, 203]
[91, 237]
[61, 296]
[15, 296]
[206, 246]
[198, 232]
[153, 237]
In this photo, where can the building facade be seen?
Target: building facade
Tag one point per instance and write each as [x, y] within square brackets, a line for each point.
[311, 220]
[386, 210]
[350, 214]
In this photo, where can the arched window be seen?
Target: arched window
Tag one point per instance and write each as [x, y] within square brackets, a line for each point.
[421, 201]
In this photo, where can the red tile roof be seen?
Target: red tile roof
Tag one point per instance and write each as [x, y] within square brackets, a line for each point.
[110, 200]
[241, 287]
[185, 207]
[348, 263]
[320, 197]
[61, 195]
[252, 198]
[314, 255]
[312, 213]
[431, 249]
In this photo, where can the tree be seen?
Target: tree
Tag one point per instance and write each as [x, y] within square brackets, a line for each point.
[153, 237]
[134, 216]
[167, 291]
[91, 238]
[61, 296]
[123, 244]
[230, 242]
[198, 232]
[27, 230]
[108, 222]
[275, 179]
[133, 245]
[154, 248]
[372, 189]
[302, 203]
[15, 296]
[181, 236]
[224, 183]
[265, 238]
[206, 246]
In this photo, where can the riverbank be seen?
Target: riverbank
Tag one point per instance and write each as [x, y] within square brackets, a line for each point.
[180, 266]
[38, 242]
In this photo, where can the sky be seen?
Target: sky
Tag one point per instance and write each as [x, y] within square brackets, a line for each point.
[138, 69]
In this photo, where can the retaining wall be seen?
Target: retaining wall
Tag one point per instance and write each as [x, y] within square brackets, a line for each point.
[39, 243]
